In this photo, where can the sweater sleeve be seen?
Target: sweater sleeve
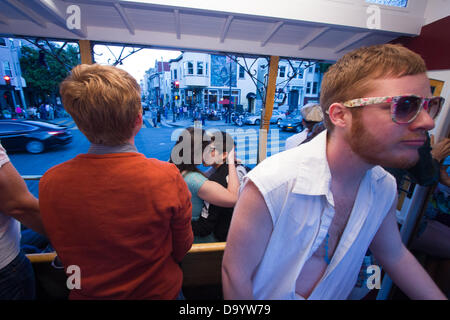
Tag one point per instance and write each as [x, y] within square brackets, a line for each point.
[181, 221]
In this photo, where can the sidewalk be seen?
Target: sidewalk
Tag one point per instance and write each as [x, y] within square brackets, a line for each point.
[184, 123]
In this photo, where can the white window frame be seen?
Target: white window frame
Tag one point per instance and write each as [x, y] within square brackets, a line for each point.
[200, 68]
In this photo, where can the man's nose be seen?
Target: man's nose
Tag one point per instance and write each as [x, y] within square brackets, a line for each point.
[423, 121]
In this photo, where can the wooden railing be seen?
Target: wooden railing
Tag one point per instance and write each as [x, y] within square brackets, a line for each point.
[201, 267]
[202, 264]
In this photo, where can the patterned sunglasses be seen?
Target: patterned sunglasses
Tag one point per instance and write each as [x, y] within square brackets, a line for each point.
[404, 109]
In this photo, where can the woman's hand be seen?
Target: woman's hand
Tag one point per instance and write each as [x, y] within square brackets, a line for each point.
[231, 156]
[441, 149]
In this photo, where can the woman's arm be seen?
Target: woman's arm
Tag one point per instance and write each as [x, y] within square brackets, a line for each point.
[216, 194]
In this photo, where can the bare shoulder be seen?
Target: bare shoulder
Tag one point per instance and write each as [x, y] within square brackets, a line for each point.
[251, 211]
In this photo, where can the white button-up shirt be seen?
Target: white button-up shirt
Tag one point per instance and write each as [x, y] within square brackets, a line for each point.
[296, 187]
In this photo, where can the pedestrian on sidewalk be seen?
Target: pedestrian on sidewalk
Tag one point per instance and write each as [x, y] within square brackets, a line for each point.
[203, 117]
[19, 112]
[154, 117]
[158, 116]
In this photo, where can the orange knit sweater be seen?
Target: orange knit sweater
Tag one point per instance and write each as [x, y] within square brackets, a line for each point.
[125, 220]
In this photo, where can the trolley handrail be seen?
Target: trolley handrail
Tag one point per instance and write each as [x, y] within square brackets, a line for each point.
[31, 177]
[201, 266]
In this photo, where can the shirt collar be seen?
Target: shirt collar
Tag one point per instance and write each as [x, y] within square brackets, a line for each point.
[313, 175]
[315, 179]
[102, 149]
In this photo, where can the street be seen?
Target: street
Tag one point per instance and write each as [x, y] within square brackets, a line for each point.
[152, 142]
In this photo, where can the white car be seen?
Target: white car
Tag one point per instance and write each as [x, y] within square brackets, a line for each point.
[277, 117]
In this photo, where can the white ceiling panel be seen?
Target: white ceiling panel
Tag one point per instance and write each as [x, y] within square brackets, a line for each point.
[321, 29]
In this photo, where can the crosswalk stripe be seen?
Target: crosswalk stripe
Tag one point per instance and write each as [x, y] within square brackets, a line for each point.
[247, 148]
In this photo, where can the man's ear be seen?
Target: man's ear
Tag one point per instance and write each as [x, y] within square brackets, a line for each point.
[137, 124]
[339, 115]
[138, 120]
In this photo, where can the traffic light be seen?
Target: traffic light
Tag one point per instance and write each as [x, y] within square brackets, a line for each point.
[7, 80]
[177, 84]
[177, 97]
[172, 86]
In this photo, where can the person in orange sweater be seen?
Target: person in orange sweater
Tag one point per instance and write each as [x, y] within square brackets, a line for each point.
[122, 219]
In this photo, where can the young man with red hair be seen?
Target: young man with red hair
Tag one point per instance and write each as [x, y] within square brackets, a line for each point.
[306, 216]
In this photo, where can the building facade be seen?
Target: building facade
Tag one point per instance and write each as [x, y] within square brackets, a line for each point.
[298, 83]
[216, 81]
[11, 91]
[156, 84]
[210, 81]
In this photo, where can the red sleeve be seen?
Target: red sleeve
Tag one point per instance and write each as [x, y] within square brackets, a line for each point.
[181, 221]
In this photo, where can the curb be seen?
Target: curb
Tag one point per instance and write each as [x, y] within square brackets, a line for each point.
[164, 123]
[147, 123]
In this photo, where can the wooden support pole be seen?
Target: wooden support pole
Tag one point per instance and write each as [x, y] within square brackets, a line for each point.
[85, 51]
[268, 108]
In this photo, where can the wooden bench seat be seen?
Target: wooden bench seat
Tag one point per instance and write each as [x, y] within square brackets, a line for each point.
[201, 267]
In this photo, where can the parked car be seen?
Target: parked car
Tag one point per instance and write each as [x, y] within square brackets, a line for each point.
[292, 124]
[277, 117]
[32, 136]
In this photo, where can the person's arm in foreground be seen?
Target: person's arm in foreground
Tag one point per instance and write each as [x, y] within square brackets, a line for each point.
[400, 264]
[16, 201]
[250, 230]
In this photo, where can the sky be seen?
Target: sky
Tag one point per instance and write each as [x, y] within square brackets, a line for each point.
[137, 63]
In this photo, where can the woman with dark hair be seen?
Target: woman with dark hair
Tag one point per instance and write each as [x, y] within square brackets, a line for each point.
[187, 153]
[216, 218]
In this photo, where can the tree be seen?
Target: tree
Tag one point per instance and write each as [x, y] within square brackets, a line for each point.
[259, 77]
[118, 60]
[45, 66]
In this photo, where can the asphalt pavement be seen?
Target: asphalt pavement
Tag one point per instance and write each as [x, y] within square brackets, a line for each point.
[184, 122]
[152, 142]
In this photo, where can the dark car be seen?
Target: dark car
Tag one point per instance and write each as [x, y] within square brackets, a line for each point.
[292, 124]
[32, 136]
